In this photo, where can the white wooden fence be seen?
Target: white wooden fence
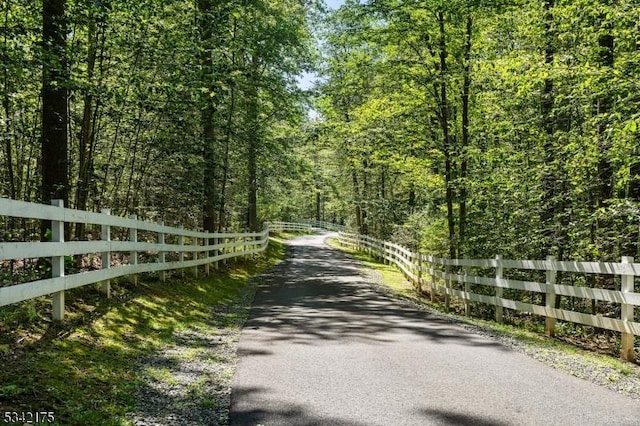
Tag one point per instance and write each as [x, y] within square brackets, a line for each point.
[190, 249]
[436, 274]
[305, 226]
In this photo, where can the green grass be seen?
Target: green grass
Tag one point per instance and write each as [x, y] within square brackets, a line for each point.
[82, 369]
[392, 277]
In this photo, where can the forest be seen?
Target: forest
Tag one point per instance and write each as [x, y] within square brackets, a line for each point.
[461, 128]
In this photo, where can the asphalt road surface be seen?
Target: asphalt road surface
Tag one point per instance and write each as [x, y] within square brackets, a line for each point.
[322, 347]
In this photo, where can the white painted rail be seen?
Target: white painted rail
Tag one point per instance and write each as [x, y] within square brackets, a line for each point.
[192, 249]
[305, 226]
[435, 274]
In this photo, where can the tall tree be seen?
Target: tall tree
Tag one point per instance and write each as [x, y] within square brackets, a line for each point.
[55, 75]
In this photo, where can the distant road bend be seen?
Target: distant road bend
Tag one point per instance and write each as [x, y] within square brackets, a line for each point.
[322, 347]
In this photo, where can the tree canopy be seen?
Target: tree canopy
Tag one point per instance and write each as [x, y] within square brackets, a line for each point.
[462, 128]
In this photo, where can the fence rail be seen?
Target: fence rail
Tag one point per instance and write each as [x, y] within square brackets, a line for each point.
[189, 249]
[437, 276]
[305, 225]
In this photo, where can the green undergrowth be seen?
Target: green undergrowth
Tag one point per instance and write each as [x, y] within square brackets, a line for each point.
[396, 282]
[82, 369]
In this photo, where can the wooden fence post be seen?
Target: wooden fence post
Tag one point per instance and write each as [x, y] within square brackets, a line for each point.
[226, 241]
[216, 252]
[432, 272]
[499, 290]
[133, 254]
[467, 290]
[181, 253]
[447, 287]
[206, 242]
[418, 258]
[161, 255]
[105, 235]
[626, 313]
[386, 261]
[194, 242]
[57, 263]
[550, 299]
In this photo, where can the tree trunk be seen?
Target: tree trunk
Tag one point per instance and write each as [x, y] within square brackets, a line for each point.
[365, 196]
[88, 126]
[466, 87]
[6, 103]
[356, 194]
[227, 142]
[446, 138]
[54, 160]
[318, 202]
[209, 219]
[252, 141]
[603, 108]
[549, 183]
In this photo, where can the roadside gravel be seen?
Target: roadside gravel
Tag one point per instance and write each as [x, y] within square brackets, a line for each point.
[577, 364]
[189, 383]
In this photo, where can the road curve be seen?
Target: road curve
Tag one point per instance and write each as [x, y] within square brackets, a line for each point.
[322, 347]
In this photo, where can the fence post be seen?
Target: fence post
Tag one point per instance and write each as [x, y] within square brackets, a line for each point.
[57, 263]
[206, 242]
[194, 242]
[385, 260]
[216, 252]
[432, 272]
[161, 254]
[226, 241]
[133, 254]
[447, 286]
[418, 258]
[105, 235]
[181, 253]
[550, 299]
[467, 290]
[499, 290]
[626, 313]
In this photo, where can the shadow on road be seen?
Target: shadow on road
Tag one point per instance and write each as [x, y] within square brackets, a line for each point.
[286, 414]
[448, 418]
[319, 294]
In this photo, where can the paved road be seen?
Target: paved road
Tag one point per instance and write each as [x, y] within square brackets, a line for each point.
[322, 348]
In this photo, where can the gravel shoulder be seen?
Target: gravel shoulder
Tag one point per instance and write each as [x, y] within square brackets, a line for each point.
[189, 383]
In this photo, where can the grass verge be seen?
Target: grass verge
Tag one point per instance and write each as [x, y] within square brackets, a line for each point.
[396, 283]
[81, 369]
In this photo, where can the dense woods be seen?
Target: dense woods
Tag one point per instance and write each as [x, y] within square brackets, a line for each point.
[462, 128]
[480, 128]
[175, 110]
